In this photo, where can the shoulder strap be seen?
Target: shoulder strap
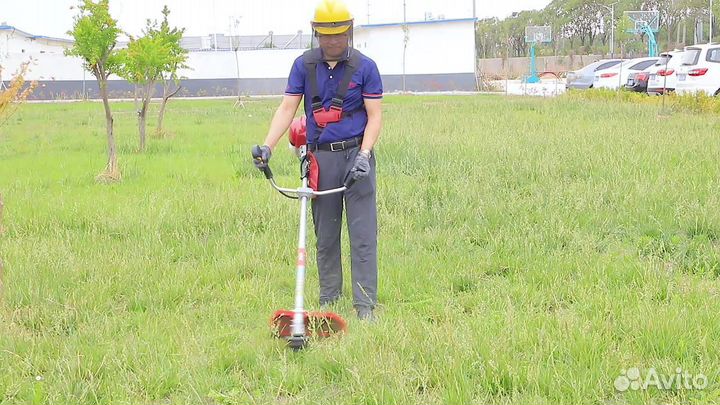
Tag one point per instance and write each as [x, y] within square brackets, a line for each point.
[352, 65]
[311, 58]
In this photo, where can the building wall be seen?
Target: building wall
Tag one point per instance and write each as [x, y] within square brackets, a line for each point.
[256, 64]
[439, 57]
[4, 43]
[432, 48]
[16, 42]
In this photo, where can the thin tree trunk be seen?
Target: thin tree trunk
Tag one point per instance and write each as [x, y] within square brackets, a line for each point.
[142, 113]
[112, 170]
[141, 127]
[161, 115]
[237, 69]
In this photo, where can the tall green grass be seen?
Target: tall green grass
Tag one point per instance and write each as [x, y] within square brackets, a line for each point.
[699, 103]
[530, 251]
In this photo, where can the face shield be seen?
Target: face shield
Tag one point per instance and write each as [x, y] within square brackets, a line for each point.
[332, 29]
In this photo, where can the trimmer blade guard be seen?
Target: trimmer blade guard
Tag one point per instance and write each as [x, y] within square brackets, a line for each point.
[318, 324]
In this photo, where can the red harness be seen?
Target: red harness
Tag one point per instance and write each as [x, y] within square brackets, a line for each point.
[323, 116]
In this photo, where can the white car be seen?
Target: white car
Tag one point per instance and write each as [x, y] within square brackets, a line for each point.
[617, 76]
[583, 78]
[700, 70]
[663, 75]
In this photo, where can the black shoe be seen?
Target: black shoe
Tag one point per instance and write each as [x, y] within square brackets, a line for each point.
[365, 314]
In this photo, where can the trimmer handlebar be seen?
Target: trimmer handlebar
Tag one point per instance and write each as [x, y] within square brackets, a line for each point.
[296, 192]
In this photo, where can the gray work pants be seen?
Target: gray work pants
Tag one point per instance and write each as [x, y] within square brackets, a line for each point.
[361, 212]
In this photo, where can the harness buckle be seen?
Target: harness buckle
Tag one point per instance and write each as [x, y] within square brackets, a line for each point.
[336, 103]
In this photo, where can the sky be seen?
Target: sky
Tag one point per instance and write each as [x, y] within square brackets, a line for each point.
[245, 17]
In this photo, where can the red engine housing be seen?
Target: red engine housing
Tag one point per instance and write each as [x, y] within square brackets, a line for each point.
[298, 132]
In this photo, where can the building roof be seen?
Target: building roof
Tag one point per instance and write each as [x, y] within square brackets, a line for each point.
[34, 37]
[453, 20]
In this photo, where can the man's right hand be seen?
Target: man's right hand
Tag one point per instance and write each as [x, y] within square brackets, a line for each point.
[261, 156]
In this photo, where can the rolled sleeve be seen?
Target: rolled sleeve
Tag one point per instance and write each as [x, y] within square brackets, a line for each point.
[372, 82]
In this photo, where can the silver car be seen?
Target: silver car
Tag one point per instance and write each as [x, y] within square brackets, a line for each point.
[583, 78]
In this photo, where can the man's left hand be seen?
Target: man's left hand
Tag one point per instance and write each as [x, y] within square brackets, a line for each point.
[361, 168]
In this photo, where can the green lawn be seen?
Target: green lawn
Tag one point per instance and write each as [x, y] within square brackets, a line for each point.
[531, 250]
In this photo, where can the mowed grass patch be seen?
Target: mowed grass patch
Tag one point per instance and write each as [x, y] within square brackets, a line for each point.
[530, 251]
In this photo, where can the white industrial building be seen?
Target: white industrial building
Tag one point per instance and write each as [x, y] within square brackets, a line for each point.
[436, 55]
[16, 41]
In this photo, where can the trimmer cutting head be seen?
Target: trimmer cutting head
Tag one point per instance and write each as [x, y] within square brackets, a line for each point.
[317, 324]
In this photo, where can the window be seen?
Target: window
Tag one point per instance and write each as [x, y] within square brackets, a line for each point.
[691, 56]
[607, 65]
[643, 65]
[713, 55]
[664, 60]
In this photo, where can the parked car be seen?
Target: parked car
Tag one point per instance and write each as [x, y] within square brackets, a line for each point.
[699, 70]
[617, 76]
[663, 75]
[638, 82]
[583, 78]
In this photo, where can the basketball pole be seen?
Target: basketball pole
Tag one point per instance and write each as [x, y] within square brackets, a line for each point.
[533, 65]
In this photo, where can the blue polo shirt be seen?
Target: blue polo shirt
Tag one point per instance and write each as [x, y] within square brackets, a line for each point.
[365, 83]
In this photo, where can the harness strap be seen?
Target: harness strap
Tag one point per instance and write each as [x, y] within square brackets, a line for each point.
[335, 113]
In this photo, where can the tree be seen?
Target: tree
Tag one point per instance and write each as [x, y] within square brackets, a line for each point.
[145, 61]
[95, 33]
[14, 95]
[140, 65]
[178, 56]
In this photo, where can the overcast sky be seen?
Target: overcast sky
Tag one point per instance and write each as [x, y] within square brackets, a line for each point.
[202, 17]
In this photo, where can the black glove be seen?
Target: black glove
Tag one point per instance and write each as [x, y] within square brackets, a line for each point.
[261, 159]
[361, 168]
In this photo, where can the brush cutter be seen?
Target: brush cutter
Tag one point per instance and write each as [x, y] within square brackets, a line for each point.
[298, 325]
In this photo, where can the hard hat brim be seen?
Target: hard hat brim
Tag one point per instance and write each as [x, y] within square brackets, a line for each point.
[331, 30]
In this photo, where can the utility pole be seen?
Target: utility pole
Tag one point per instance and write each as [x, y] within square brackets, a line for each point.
[711, 21]
[611, 8]
[368, 12]
[612, 30]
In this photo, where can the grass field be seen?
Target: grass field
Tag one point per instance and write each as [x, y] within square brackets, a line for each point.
[531, 251]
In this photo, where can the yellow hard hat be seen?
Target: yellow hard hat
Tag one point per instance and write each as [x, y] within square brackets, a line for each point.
[332, 17]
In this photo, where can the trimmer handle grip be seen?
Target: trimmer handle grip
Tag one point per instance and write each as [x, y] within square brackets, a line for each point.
[349, 181]
[257, 156]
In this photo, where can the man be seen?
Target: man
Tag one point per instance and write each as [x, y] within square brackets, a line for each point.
[342, 91]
